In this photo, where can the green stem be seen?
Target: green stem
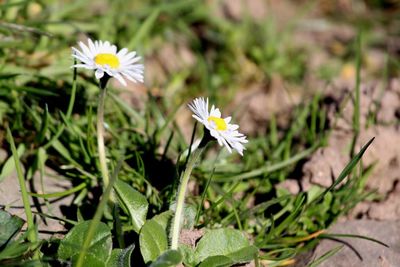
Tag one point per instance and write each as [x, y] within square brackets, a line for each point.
[100, 137]
[69, 111]
[97, 217]
[357, 104]
[25, 198]
[60, 194]
[180, 201]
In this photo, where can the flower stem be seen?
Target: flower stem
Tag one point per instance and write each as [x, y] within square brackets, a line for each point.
[100, 136]
[180, 201]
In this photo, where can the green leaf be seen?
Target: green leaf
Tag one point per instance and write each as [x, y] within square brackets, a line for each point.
[134, 202]
[163, 219]
[313, 193]
[153, 241]
[144, 29]
[89, 260]
[9, 226]
[14, 250]
[346, 171]
[220, 242]
[44, 127]
[167, 259]
[243, 255]
[57, 145]
[100, 246]
[354, 236]
[217, 261]
[328, 254]
[9, 166]
[188, 255]
[349, 167]
[189, 213]
[121, 257]
[8, 75]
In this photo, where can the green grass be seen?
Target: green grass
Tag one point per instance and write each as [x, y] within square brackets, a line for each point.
[50, 111]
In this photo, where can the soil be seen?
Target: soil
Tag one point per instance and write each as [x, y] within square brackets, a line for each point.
[379, 117]
[360, 252]
[11, 201]
[329, 161]
[257, 101]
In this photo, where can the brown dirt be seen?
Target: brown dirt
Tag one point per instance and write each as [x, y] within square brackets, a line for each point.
[11, 201]
[329, 161]
[359, 252]
[190, 237]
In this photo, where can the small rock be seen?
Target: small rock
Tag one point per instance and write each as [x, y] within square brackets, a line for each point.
[384, 154]
[290, 185]
[325, 163]
[372, 254]
[189, 237]
[388, 209]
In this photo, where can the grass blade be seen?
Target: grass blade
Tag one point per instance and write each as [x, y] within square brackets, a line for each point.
[325, 256]
[32, 233]
[354, 236]
[97, 216]
[346, 171]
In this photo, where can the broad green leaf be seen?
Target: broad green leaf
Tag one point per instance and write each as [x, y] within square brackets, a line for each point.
[238, 257]
[163, 219]
[153, 240]
[100, 247]
[9, 226]
[9, 166]
[90, 260]
[217, 261]
[14, 250]
[167, 259]
[243, 255]
[189, 213]
[121, 257]
[188, 255]
[220, 242]
[134, 202]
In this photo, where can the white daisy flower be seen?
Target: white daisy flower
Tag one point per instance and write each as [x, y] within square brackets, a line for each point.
[103, 58]
[226, 134]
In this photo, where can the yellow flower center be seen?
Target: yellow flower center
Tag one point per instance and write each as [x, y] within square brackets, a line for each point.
[220, 123]
[107, 59]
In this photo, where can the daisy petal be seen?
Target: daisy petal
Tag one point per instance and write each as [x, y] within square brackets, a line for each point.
[120, 79]
[99, 73]
[104, 57]
[220, 128]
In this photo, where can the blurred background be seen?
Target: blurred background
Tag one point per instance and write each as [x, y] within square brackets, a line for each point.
[258, 56]
[286, 70]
